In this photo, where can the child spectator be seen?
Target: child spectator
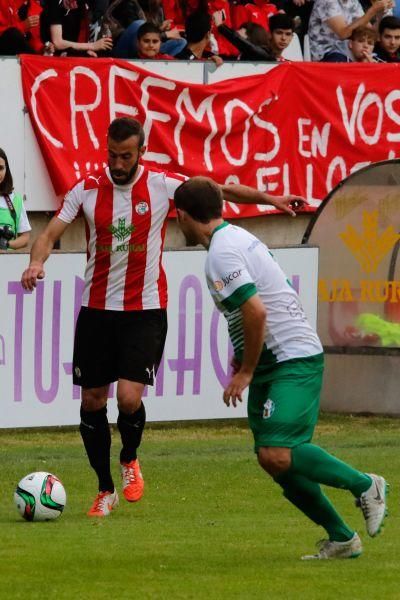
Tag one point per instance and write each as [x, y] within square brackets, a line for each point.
[387, 48]
[198, 32]
[146, 11]
[361, 45]
[281, 34]
[149, 43]
[333, 21]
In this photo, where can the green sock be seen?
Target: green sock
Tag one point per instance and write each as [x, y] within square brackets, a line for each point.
[319, 466]
[307, 496]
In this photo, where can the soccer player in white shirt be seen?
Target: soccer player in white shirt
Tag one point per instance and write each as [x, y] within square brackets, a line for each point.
[277, 354]
[122, 324]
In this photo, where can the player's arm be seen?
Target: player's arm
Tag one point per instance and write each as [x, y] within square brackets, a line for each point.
[254, 316]
[243, 194]
[40, 252]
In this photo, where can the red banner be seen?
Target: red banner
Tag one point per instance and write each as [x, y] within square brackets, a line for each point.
[300, 128]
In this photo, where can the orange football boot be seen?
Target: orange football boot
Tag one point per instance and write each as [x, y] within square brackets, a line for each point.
[132, 481]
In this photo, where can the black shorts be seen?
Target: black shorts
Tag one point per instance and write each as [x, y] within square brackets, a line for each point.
[111, 345]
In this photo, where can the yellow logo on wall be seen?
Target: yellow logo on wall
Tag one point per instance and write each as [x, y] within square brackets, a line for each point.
[369, 248]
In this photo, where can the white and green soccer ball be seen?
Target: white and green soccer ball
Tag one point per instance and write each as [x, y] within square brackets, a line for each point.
[40, 496]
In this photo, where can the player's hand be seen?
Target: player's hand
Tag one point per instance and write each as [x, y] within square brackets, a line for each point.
[235, 364]
[234, 389]
[289, 204]
[31, 275]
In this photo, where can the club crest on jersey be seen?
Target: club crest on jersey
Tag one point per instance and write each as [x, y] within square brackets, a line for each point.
[142, 208]
[269, 408]
[122, 231]
[218, 286]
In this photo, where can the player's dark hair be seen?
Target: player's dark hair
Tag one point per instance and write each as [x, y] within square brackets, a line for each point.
[7, 185]
[123, 128]
[197, 25]
[280, 21]
[148, 28]
[389, 23]
[201, 198]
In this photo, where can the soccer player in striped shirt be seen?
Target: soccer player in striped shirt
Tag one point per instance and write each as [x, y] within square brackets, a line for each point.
[122, 325]
[279, 355]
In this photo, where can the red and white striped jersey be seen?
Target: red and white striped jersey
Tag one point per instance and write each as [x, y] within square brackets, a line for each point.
[125, 229]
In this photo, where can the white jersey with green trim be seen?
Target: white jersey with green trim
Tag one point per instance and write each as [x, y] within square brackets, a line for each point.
[239, 265]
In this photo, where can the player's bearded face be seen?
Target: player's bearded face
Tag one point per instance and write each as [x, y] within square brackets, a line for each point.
[123, 159]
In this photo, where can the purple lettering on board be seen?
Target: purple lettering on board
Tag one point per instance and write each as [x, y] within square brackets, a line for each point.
[222, 375]
[183, 364]
[2, 351]
[15, 287]
[47, 396]
[79, 286]
[296, 283]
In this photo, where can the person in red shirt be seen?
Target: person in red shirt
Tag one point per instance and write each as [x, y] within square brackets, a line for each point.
[258, 12]
[149, 43]
[16, 33]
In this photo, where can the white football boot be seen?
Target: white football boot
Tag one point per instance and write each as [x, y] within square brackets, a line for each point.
[328, 550]
[373, 504]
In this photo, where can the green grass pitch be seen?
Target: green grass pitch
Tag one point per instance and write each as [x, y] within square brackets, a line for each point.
[211, 525]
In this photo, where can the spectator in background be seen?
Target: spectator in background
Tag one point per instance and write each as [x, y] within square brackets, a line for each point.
[61, 24]
[14, 31]
[299, 11]
[361, 45]
[258, 12]
[250, 39]
[177, 11]
[147, 10]
[333, 21]
[281, 29]
[387, 48]
[14, 224]
[198, 33]
[149, 43]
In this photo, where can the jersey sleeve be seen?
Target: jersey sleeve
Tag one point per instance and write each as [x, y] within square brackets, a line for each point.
[231, 282]
[23, 225]
[173, 181]
[72, 204]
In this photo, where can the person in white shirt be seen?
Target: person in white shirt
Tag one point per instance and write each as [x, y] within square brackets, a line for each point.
[279, 355]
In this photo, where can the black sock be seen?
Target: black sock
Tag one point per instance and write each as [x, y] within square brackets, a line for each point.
[131, 428]
[96, 437]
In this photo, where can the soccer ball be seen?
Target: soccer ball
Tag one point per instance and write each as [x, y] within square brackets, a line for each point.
[40, 497]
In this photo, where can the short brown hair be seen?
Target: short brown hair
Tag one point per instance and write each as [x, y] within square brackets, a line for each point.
[201, 198]
[361, 33]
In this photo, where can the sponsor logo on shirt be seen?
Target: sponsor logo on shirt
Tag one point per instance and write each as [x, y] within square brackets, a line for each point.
[227, 280]
[142, 208]
[121, 248]
[122, 231]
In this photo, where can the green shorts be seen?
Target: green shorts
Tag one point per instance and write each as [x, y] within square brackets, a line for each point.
[283, 407]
